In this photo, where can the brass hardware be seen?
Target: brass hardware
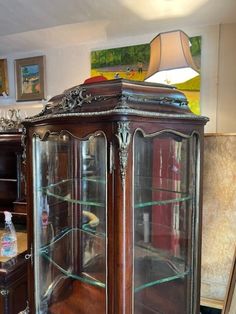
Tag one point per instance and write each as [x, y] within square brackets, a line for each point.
[4, 292]
[26, 310]
[124, 138]
[27, 256]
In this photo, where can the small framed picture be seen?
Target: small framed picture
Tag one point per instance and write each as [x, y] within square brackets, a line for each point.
[3, 77]
[30, 79]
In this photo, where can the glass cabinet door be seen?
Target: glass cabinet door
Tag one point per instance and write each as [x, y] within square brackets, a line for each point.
[164, 195]
[70, 196]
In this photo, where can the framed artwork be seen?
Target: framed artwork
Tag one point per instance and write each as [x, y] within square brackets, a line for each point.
[3, 77]
[126, 62]
[132, 62]
[29, 73]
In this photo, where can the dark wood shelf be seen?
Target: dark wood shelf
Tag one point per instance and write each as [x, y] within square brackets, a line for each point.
[13, 271]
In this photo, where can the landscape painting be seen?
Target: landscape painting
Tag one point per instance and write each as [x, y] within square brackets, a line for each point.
[132, 62]
[29, 78]
[126, 62]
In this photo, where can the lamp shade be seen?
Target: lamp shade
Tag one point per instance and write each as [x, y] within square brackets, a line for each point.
[171, 61]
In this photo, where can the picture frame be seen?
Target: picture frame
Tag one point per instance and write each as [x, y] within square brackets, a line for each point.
[30, 78]
[3, 77]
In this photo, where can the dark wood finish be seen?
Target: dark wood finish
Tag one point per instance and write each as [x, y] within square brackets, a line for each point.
[12, 189]
[13, 273]
[13, 285]
[100, 107]
[91, 300]
[19, 208]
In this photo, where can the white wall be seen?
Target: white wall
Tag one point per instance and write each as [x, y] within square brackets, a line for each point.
[65, 67]
[70, 65]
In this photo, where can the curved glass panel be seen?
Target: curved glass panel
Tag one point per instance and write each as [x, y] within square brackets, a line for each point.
[164, 192]
[70, 191]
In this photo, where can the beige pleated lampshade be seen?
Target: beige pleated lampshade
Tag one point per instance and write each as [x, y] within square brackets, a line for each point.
[171, 61]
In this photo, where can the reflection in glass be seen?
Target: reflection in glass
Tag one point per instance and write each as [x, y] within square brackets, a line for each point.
[164, 187]
[70, 223]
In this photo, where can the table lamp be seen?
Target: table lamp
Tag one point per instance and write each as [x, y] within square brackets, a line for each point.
[171, 61]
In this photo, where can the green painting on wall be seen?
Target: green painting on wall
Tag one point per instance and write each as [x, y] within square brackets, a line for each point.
[131, 63]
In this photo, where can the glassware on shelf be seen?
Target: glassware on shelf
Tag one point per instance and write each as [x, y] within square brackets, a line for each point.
[11, 120]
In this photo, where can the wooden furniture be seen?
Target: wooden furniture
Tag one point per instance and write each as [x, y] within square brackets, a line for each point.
[12, 190]
[114, 181]
[13, 279]
[13, 271]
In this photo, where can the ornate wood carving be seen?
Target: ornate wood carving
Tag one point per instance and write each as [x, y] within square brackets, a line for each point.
[124, 137]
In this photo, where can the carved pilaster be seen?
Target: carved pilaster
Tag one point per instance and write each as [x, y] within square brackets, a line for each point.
[124, 136]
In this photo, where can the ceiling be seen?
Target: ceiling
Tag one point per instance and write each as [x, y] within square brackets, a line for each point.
[36, 24]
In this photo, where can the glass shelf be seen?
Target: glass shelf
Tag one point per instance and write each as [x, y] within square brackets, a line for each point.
[69, 182]
[89, 280]
[162, 267]
[63, 190]
[165, 268]
[155, 191]
[74, 201]
[162, 196]
[67, 232]
[163, 202]
[47, 252]
[160, 281]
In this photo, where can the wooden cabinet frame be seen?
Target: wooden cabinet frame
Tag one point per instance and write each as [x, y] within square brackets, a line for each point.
[118, 108]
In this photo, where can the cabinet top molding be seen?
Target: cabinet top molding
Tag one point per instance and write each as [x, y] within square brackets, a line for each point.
[118, 96]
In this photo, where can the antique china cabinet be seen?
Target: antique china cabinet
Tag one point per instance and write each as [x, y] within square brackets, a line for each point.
[114, 188]
[13, 270]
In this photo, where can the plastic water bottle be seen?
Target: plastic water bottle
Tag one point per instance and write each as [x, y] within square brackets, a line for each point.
[8, 239]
